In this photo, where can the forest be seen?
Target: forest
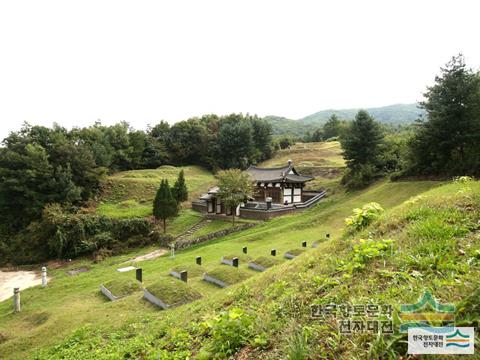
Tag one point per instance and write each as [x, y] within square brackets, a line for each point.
[47, 174]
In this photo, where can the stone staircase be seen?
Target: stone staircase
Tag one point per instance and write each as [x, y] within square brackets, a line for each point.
[194, 228]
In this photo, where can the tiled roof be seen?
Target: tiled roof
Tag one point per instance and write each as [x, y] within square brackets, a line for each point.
[284, 173]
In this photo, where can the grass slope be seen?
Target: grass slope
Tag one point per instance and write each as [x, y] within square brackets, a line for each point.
[131, 193]
[433, 245]
[73, 302]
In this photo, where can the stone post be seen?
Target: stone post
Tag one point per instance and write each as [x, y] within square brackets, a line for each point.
[16, 300]
[304, 244]
[198, 260]
[273, 252]
[244, 249]
[44, 276]
[184, 275]
[235, 262]
[139, 274]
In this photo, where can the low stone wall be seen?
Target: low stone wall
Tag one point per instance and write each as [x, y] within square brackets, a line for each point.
[215, 281]
[183, 244]
[257, 267]
[199, 206]
[154, 300]
[108, 293]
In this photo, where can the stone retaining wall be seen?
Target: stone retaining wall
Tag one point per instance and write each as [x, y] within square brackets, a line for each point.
[183, 244]
[108, 293]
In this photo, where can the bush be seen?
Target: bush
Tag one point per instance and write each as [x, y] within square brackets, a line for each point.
[364, 252]
[62, 234]
[364, 216]
[229, 331]
[359, 177]
[161, 239]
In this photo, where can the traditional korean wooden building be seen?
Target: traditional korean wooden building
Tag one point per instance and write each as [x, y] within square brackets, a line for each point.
[284, 185]
[277, 191]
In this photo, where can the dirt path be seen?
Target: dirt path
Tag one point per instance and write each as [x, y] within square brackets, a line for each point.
[149, 256]
[20, 279]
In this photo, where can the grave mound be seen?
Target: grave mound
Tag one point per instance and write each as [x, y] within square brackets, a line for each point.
[262, 263]
[120, 287]
[294, 253]
[225, 276]
[193, 270]
[169, 292]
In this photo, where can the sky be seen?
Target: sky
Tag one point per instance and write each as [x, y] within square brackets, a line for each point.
[74, 62]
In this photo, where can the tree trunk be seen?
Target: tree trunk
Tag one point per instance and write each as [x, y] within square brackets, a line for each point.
[164, 226]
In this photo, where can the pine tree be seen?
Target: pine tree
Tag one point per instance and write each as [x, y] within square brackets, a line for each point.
[179, 190]
[448, 141]
[361, 150]
[164, 205]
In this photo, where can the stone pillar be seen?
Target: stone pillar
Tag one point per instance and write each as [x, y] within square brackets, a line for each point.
[273, 252]
[304, 244]
[198, 260]
[16, 300]
[184, 275]
[244, 249]
[235, 262]
[44, 276]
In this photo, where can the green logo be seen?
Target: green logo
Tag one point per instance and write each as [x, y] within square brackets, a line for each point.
[426, 312]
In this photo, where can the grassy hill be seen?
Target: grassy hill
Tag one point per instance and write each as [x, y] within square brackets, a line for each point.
[427, 239]
[131, 193]
[70, 303]
[392, 114]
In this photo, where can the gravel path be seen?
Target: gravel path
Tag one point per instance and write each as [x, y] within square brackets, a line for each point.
[20, 279]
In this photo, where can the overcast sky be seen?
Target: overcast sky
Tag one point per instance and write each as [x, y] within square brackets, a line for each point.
[74, 62]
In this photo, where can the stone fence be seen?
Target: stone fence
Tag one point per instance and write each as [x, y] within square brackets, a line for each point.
[183, 244]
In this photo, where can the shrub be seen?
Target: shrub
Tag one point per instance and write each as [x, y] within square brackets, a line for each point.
[229, 331]
[359, 177]
[364, 216]
[161, 239]
[364, 252]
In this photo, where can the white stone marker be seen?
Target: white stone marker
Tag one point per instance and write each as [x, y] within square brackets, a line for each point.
[44, 276]
[16, 300]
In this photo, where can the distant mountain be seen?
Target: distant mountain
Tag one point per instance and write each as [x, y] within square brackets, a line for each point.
[391, 114]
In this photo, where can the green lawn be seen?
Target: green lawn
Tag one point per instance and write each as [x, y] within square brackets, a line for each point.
[73, 301]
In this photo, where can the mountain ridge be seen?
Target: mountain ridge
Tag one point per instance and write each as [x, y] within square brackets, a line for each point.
[394, 114]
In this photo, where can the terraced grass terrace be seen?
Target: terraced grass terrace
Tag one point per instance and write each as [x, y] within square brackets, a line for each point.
[72, 302]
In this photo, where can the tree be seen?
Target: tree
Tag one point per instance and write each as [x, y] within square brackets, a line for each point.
[331, 127]
[179, 190]
[235, 187]
[164, 205]
[447, 141]
[361, 146]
